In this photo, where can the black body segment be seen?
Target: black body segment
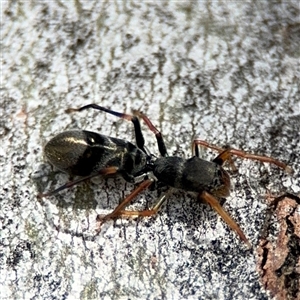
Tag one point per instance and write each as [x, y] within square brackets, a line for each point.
[194, 175]
[82, 153]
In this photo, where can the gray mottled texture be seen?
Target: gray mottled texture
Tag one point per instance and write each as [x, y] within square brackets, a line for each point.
[227, 72]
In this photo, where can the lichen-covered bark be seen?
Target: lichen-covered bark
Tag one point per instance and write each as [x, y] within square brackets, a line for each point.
[227, 72]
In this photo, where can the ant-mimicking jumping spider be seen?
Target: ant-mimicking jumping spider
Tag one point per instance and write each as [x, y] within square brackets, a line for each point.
[89, 154]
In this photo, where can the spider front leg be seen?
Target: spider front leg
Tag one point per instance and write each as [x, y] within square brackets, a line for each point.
[140, 141]
[160, 141]
[240, 153]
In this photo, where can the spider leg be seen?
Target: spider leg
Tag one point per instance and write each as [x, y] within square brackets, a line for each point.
[223, 157]
[140, 141]
[242, 154]
[103, 172]
[144, 213]
[160, 141]
[214, 203]
[119, 209]
[220, 159]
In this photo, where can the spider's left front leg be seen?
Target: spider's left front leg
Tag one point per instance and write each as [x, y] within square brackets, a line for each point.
[225, 154]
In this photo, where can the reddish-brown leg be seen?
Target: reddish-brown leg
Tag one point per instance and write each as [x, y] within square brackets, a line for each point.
[160, 141]
[118, 211]
[244, 154]
[137, 127]
[223, 157]
[107, 171]
[214, 203]
[144, 213]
